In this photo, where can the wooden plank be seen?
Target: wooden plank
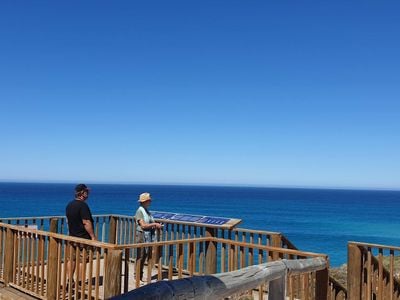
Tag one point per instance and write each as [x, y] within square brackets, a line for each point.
[369, 274]
[276, 241]
[83, 269]
[97, 277]
[150, 262]
[380, 274]
[201, 253]
[211, 253]
[38, 262]
[191, 259]
[90, 273]
[112, 233]
[180, 260]
[52, 269]
[112, 280]
[9, 257]
[42, 243]
[23, 258]
[53, 225]
[170, 261]
[29, 260]
[1, 248]
[126, 270]
[321, 284]
[354, 271]
[16, 269]
[277, 289]
[391, 283]
[59, 245]
[77, 267]
[251, 250]
[64, 271]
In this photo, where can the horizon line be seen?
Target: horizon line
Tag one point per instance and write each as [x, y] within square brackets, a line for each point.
[205, 184]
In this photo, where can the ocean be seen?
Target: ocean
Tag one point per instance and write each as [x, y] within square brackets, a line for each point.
[316, 220]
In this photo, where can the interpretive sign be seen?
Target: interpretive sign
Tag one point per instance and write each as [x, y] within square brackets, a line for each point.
[208, 221]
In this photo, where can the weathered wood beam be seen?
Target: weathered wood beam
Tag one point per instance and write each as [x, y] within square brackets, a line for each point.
[224, 284]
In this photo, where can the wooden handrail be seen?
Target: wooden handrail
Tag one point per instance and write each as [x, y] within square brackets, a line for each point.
[256, 231]
[219, 240]
[270, 248]
[223, 285]
[58, 236]
[374, 245]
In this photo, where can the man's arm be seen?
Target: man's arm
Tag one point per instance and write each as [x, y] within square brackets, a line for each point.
[89, 228]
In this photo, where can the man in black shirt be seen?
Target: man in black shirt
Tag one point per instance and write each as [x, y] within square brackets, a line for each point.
[80, 224]
[80, 221]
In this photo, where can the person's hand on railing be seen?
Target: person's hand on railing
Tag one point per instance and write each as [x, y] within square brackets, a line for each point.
[157, 225]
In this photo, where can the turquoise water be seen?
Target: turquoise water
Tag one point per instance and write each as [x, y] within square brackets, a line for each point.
[314, 220]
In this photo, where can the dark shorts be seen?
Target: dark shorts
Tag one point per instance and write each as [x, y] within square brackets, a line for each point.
[83, 255]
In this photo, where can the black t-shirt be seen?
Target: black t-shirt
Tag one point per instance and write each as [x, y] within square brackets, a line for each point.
[76, 211]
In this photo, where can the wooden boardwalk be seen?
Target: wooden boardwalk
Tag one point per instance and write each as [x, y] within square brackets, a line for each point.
[10, 293]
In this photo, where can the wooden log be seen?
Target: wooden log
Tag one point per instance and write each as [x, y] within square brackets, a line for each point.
[224, 284]
[354, 272]
[112, 280]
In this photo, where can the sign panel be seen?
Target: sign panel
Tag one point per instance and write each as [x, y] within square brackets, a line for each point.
[206, 220]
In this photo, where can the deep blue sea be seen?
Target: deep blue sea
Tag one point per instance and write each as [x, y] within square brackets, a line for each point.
[316, 220]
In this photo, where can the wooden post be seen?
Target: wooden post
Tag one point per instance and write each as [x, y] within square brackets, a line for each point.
[211, 252]
[276, 241]
[52, 269]
[54, 225]
[112, 280]
[321, 284]
[9, 257]
[354, 272]
[277, 289]
[112, 230]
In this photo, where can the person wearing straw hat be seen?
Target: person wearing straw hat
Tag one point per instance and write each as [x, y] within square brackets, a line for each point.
[145, 229]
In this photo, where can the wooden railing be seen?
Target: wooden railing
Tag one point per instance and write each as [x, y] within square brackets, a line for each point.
[119, 229]
[35, 262]
[183, 250]
[372, 273]
[102, 224]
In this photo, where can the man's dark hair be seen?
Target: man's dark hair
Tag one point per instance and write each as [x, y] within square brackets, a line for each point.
[81, 188]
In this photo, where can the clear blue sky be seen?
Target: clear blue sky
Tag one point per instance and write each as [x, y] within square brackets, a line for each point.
[274, 93]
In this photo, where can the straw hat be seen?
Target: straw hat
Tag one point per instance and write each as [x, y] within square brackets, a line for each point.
[144, 197]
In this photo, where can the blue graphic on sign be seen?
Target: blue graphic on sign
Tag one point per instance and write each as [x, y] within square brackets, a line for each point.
[165, 216]
[186, 218]
[213, 220]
